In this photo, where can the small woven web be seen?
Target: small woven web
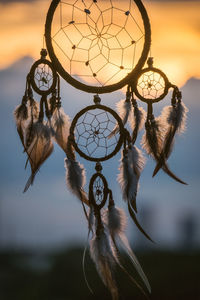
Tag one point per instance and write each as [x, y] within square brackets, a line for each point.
[98, 190]
[92, 133]
[151, 85]
[43, 77]
[98, 42]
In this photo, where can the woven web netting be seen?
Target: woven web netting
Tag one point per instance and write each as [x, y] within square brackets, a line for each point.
[98, 190]
[92, 133]
[43, 77]
[98, 41]
[151, 85]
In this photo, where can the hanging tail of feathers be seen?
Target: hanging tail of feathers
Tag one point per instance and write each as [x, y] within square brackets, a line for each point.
[127, 179]
[152, 142]
[132, 164]
[75, 179]
[102, 253]
[123, 108]
[21, 115]
[116, 222]
[136, 120]
[133, 216]
[175, 119]
[39, 150]
[61, 125]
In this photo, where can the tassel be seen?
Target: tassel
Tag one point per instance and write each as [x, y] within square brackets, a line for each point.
[175, 118]
[75, 179]
[102, 253]
[39, 149]
[136, 120]
[130, 168]
[60, 125]
[116, 222]
[152, 142]
[123, 108]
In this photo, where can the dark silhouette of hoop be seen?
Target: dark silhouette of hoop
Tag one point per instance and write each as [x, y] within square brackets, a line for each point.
[118, 123]
[98, 89]
[148, 98]
[46, 90]
[100, 191]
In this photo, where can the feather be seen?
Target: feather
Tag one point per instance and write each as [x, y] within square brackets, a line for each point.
[75, 179]
[130, 168]
[175, 119]
[61, 125]
[39, 150]
[116, 222]
[152, 142]
[21, 116]
[102, 253]
[133, 217]
[91, 219]
[123, 108]
[33, 109]
[136, 120]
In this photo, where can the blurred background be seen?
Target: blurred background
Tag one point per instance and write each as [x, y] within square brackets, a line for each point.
[43, 232]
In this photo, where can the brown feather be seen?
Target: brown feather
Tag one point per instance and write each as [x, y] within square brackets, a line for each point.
[39, 149]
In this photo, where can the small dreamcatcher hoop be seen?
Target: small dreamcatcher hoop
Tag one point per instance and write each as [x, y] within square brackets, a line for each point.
[152, 85]
[43, 77]
[90, 132]
[98, 190]
[96, 36]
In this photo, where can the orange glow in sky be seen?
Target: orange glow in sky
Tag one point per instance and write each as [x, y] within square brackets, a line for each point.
[175, 35]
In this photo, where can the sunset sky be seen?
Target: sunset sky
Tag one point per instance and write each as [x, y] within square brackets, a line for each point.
[175, 34]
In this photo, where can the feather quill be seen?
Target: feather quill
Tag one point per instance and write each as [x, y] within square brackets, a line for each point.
[175, 119]
[102, 253]
[61, 125]
[39, 149]
[75, 179]
[123, 108]
[152, 142]
[116, 222]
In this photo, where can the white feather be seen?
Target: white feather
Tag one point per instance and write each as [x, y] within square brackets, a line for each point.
[176, 116]
[61, 125]
[75, 178]
[130, 168]
[158, 127]
[91, 219]
[123, 107]
[116, 221]
[141, 116]
[127, 179]
[103, 255]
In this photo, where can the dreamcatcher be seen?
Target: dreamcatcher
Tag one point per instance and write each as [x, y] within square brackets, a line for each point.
[99, 47]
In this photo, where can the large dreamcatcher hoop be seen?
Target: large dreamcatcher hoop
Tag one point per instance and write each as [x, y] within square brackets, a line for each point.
[99, 47]
[103, 39]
